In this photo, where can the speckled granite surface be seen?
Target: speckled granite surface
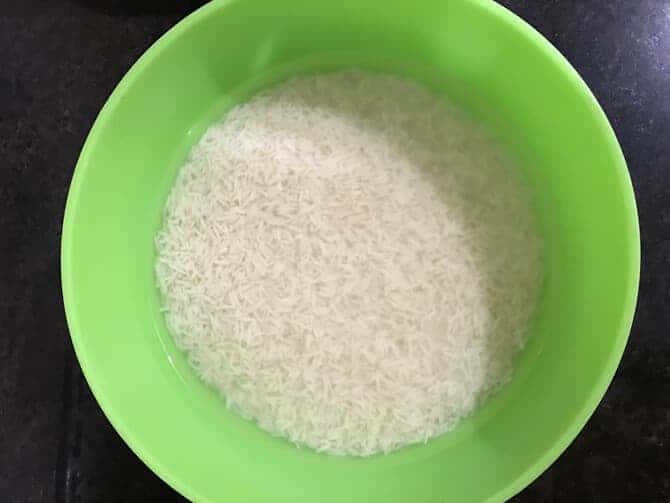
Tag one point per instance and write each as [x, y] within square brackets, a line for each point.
[59, 60]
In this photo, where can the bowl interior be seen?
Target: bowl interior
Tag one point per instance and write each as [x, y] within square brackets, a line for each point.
[483, 58]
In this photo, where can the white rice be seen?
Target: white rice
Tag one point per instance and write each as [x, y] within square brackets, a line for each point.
[349, 262]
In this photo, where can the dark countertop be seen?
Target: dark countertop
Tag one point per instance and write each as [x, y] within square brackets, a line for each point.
[60, 59]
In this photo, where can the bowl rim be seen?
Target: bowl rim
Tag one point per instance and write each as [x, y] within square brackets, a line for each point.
[115, 416]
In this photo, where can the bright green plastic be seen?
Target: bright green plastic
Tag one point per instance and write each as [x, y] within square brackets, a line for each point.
[501, 72]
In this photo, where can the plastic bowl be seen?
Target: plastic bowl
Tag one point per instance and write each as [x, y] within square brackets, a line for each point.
[485, 59]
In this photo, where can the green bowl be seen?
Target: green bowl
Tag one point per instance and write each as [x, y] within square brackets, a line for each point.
[496, 68]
